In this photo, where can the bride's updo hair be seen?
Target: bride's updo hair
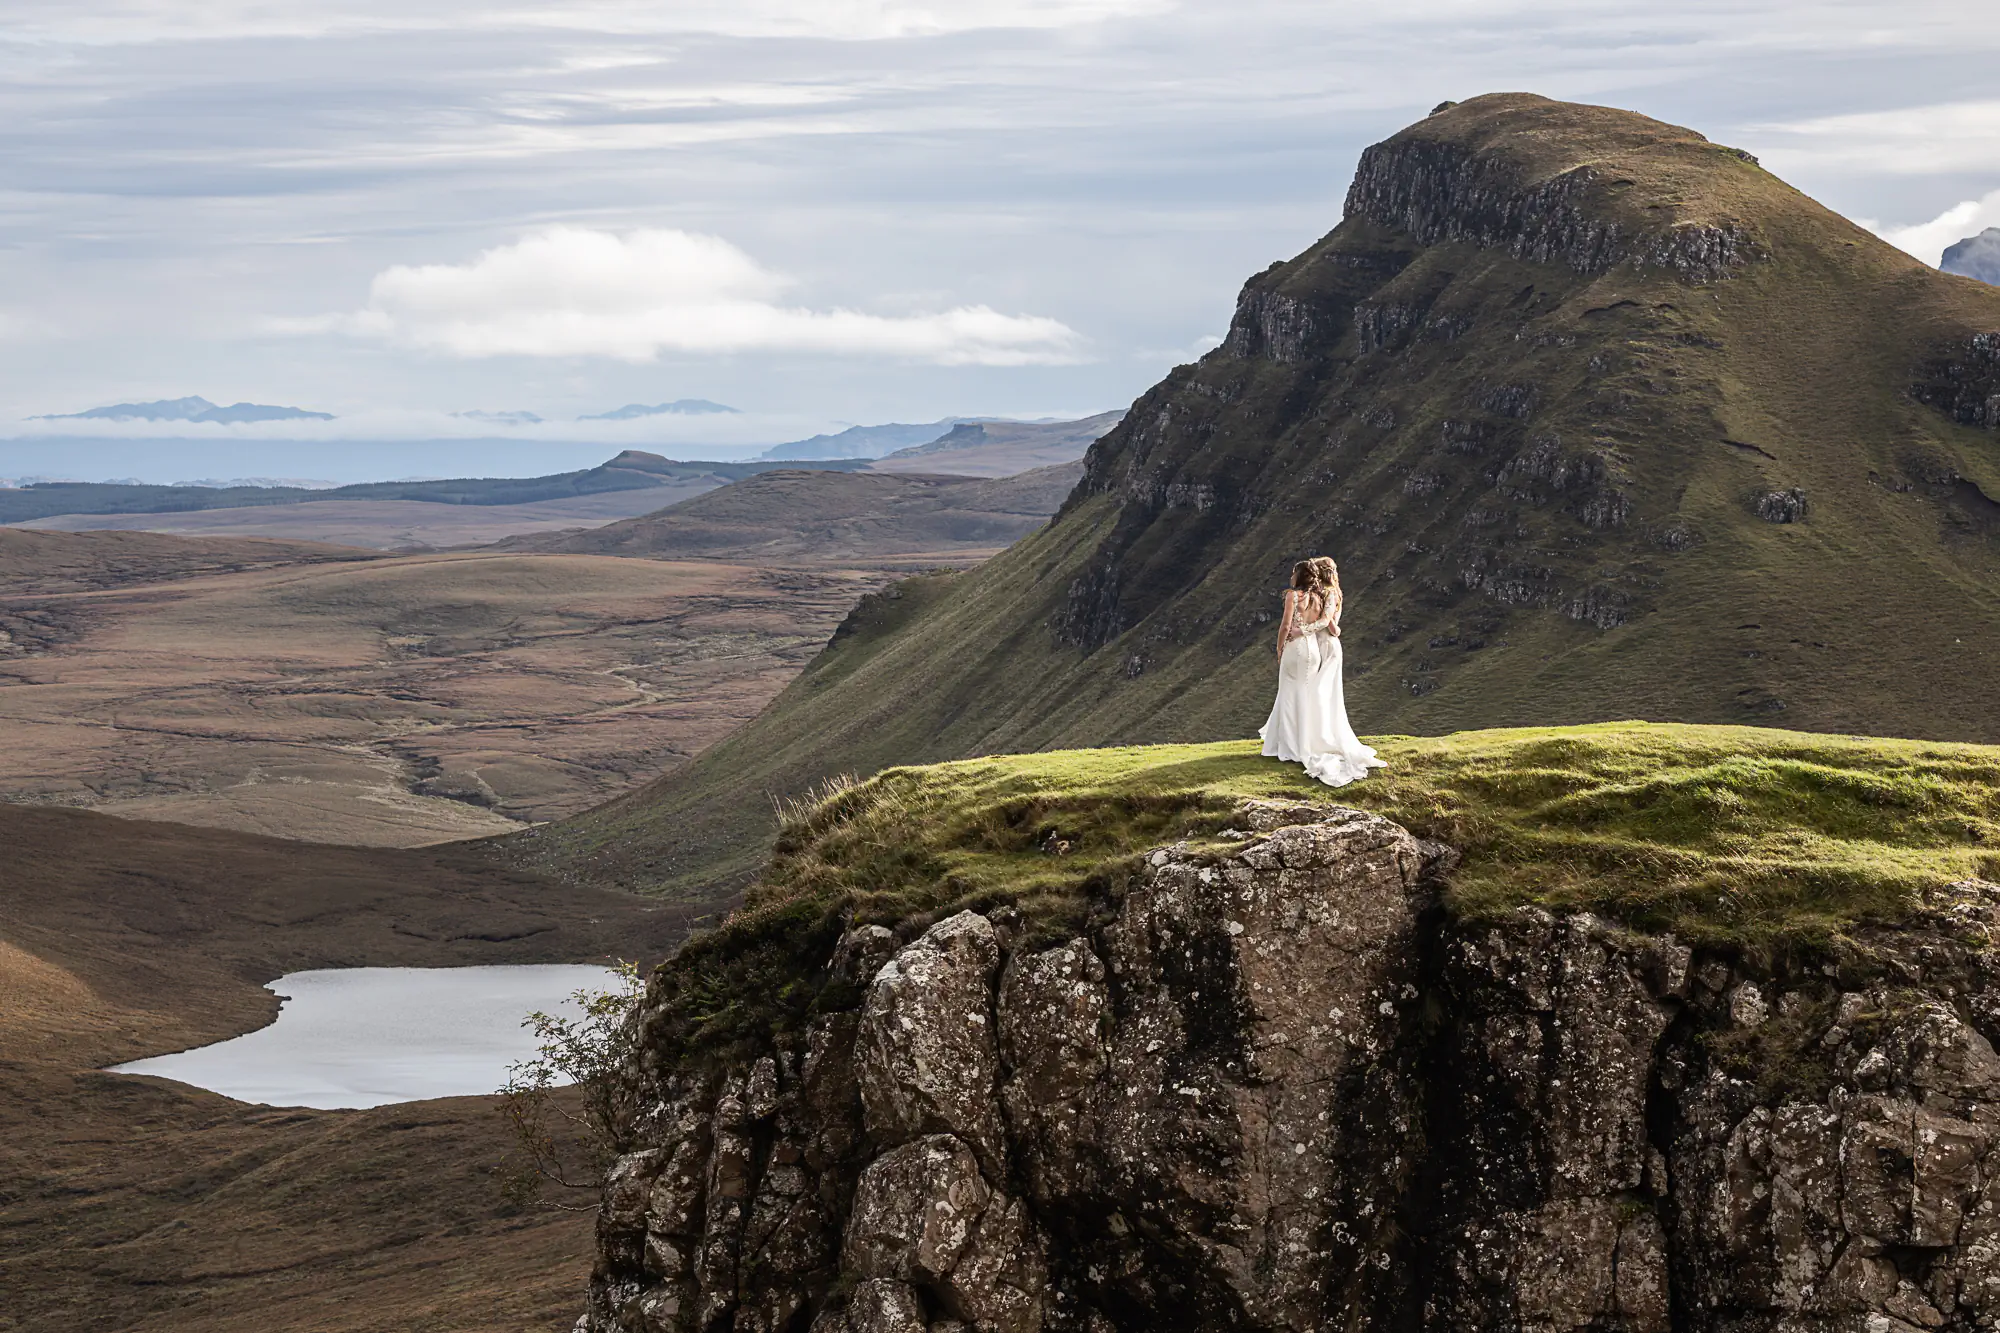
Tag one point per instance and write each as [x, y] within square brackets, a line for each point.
[1317, 575]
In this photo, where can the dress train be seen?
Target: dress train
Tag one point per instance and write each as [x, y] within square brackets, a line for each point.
[1308, 722]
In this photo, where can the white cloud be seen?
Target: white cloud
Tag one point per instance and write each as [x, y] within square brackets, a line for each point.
[719, 434]
[1911, 140]
[120, 21]
[574, 291]
[1929, 240]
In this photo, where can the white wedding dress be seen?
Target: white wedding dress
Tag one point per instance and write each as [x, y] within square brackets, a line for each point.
[1308, 723]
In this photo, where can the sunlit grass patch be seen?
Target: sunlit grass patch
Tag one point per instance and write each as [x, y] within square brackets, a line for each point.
[1719, 833]
[1722, 832]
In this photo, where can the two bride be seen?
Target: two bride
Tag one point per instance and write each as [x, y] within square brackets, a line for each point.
[1308, 723]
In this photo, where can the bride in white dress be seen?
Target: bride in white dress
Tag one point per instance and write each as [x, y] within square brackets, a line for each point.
[1308, 723]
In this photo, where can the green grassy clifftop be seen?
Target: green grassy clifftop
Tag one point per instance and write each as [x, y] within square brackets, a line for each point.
[1737, 838]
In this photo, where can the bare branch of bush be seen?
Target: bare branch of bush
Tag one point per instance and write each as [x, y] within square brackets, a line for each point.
[570, 1106]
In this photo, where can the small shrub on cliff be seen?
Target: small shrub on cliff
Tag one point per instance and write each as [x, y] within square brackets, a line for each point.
[570, 1110]
[1785, 1057]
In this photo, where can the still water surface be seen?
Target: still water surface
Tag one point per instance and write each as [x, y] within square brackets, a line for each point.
[367, 1036]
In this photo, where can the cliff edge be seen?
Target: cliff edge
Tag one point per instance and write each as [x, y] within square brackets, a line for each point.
[1297, 1067]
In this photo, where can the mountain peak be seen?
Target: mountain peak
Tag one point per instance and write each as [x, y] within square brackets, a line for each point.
[1587, 186]
[639, 460]
[679, 407]
[1975, 257]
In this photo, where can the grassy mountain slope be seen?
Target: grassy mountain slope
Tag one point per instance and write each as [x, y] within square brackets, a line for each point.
[1601, 420]
[820, 517]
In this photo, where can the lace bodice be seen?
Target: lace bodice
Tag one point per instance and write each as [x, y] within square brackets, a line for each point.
[1328, 615]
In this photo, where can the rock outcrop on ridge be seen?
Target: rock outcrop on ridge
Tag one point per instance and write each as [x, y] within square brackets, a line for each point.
[1275, 1086]
[1600, 419]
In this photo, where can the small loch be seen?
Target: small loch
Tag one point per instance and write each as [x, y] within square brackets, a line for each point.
[368, 1036]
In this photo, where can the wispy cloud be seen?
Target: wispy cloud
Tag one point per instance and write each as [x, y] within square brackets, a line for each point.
[1904, 141]
[720, 434]
[1929, 240]
[575, 291]
[850, 20]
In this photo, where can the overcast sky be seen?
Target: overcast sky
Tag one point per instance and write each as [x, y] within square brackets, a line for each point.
[818, 211]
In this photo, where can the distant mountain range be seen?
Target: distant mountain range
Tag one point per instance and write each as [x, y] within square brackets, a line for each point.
[189, 409]
[631, 470]
[861, 441]
[950, 434]
[990, 448]
[235, 483]
[691, 407]
[1976, 257]
[851, 519]
[200, 409]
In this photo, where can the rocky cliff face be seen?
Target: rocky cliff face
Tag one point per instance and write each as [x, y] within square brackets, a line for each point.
[1274, 1086]
[1490, 191]
[1964, 382]
[1975, 257]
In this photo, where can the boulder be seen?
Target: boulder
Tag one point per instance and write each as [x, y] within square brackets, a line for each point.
[927, 1054]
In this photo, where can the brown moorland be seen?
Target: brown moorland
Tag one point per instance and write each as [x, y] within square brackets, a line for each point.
[46, 562]
[388, 525]
[139, 1204]
[392, 701]
[909, 520]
